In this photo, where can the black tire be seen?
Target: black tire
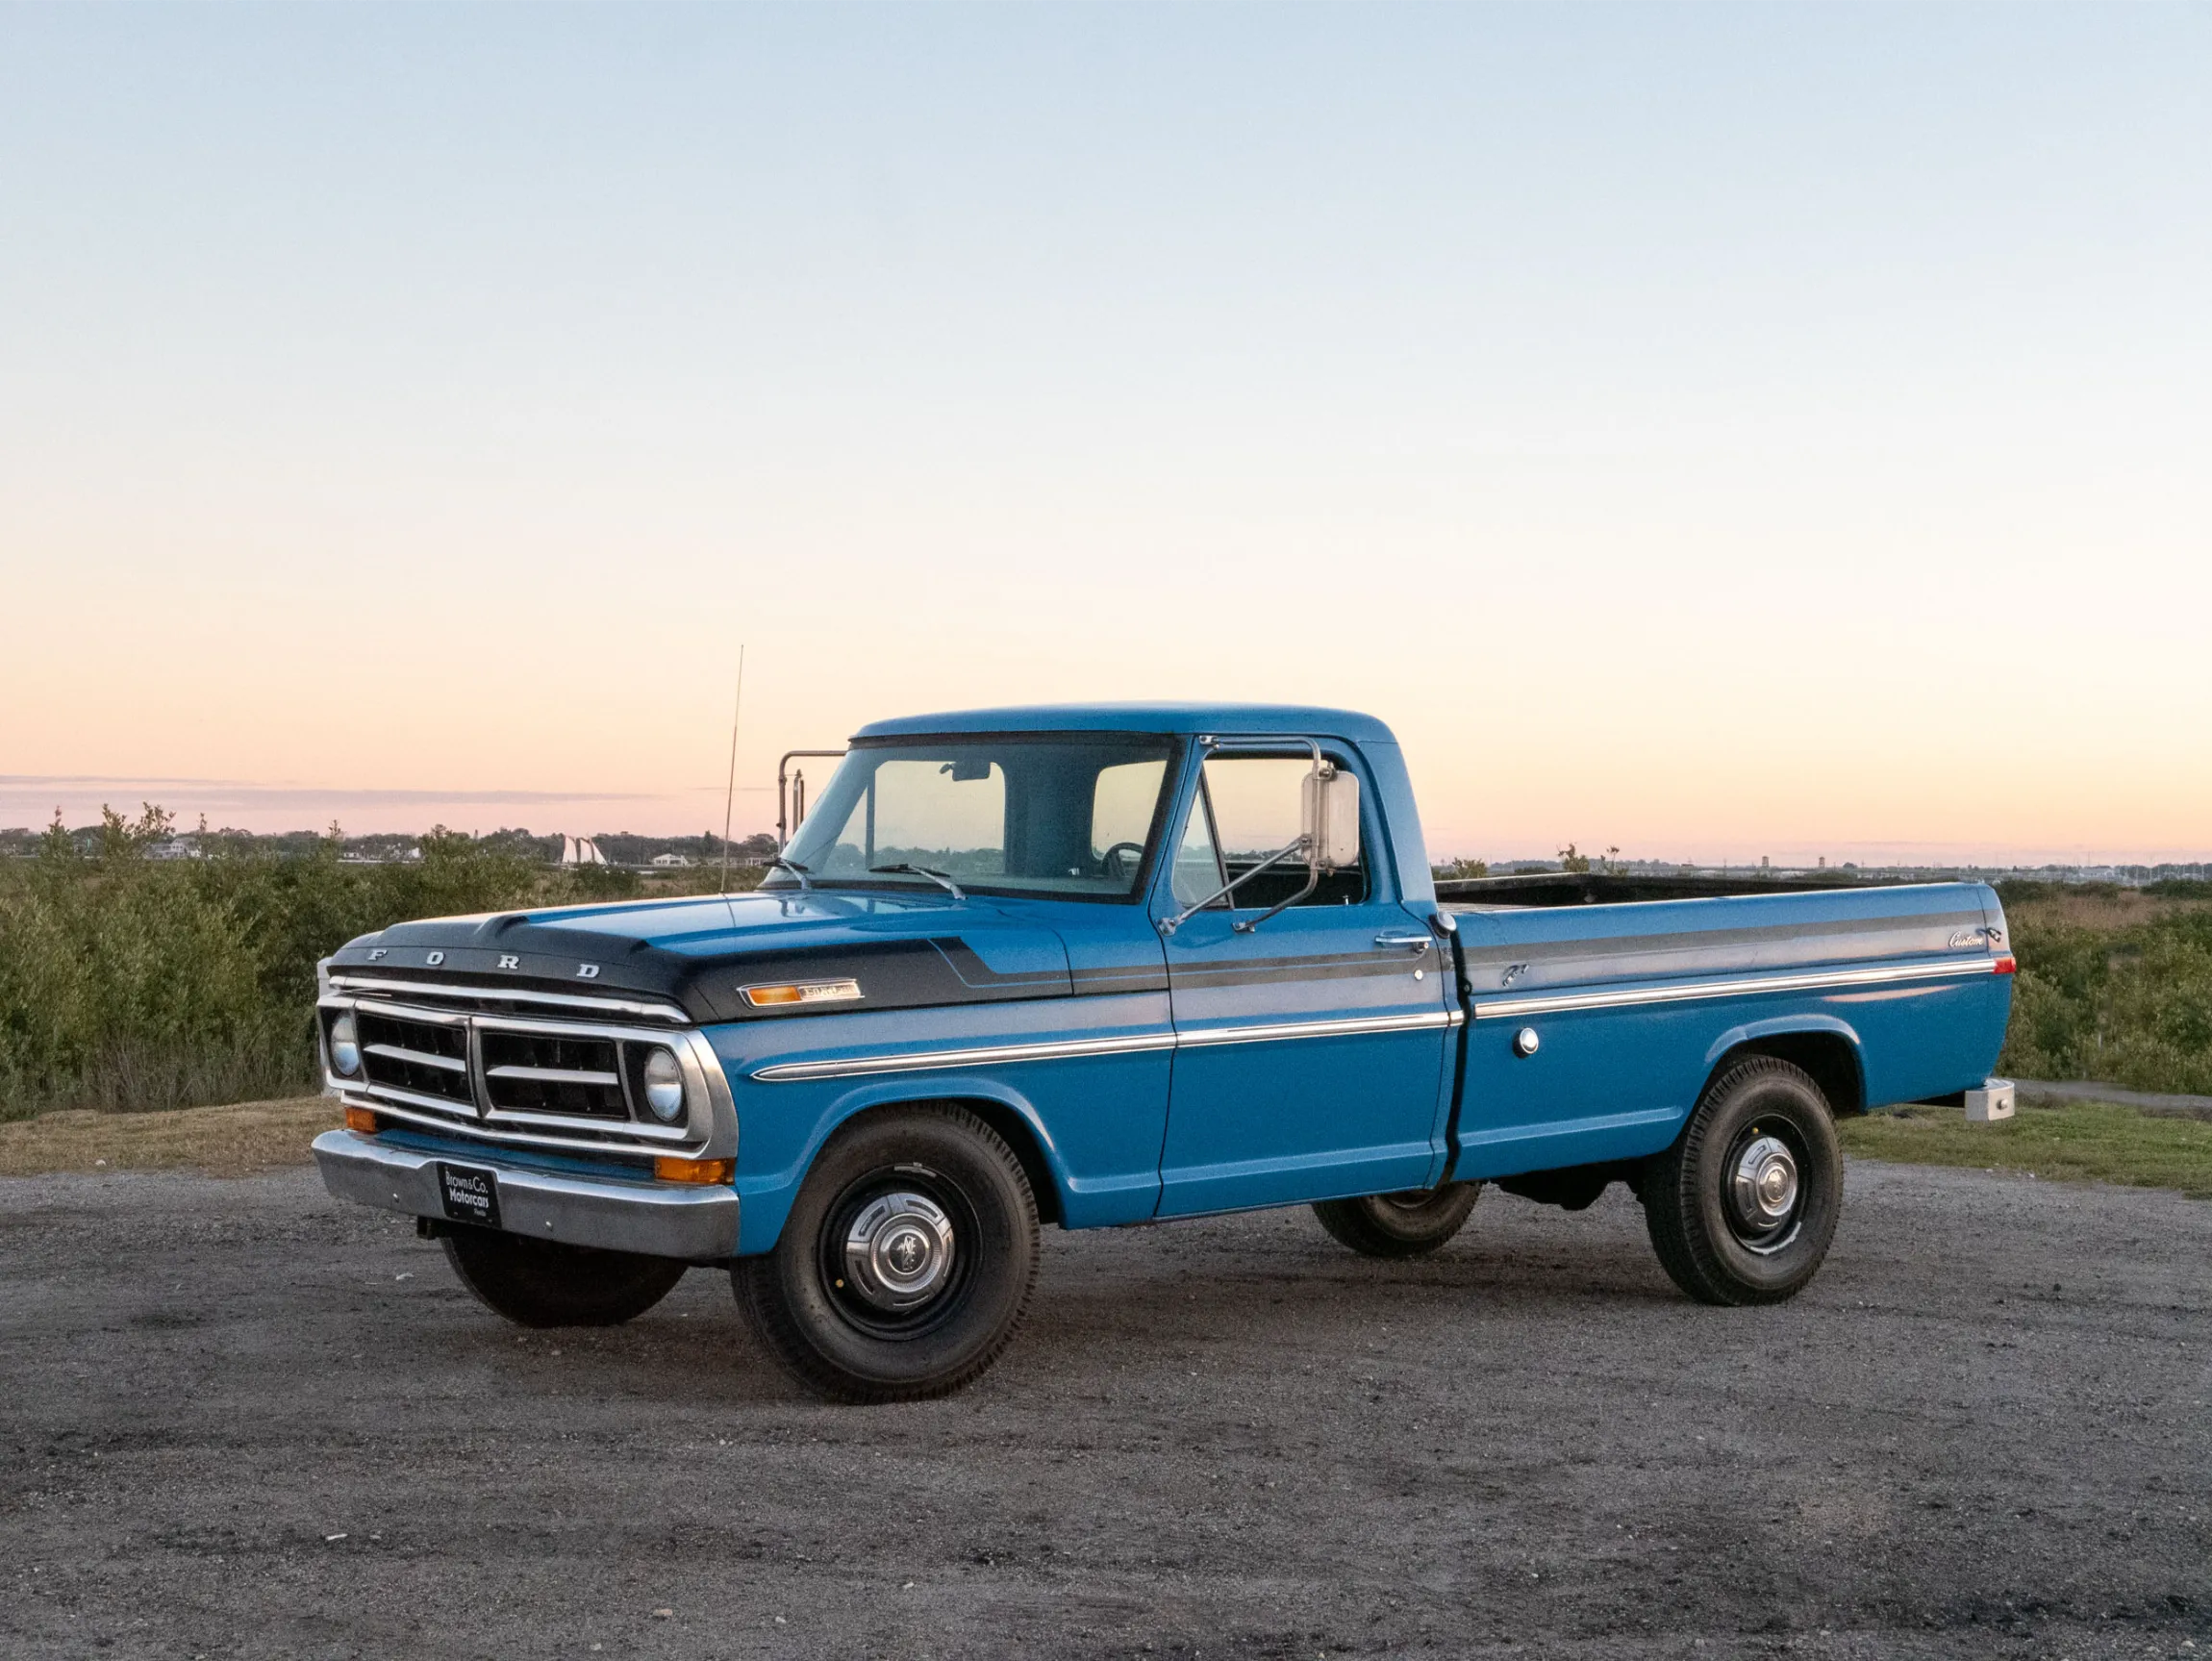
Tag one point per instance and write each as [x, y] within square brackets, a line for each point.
[1406, 1224]
[1723, 1241]
[545, 1283]
[931, 1191]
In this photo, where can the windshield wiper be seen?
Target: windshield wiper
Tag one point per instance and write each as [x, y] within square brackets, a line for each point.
[936, 876]
[777, 862]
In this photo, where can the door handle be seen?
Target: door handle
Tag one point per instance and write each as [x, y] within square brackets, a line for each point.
[1411, 942]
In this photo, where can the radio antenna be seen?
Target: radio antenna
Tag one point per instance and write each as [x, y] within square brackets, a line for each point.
[730, 796]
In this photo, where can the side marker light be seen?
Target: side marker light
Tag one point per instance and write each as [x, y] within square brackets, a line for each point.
[361, 1121]
[800, 992]
[704, 1172]
[2004, 966]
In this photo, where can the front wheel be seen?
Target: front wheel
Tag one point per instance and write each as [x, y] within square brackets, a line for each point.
[906, 1263]
[545, 1283]
[1404, 1224]
[1742, 1208]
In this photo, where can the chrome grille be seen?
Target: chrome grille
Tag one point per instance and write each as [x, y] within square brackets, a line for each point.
[553, 1073]
[421, 1057]
[523, 1078]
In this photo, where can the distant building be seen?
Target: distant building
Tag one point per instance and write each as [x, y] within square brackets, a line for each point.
[173, 847]
[669, 859]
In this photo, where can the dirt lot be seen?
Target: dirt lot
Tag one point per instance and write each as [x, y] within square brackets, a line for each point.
[239, 1140]
[241, 1420]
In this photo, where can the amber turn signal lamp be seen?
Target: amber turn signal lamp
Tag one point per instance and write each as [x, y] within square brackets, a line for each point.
[2004, 966]
[699, 1170]
[361, 1119]
[800, 992]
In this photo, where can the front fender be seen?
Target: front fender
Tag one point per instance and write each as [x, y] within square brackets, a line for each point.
[765, 1198]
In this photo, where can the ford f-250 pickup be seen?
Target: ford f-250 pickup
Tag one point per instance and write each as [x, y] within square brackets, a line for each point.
[1107, 965]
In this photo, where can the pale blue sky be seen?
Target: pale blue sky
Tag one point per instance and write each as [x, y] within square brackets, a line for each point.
[1713, 430]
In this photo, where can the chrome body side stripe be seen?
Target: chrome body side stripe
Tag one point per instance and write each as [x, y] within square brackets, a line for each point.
[937, 1060]
[1339, 1028]
[1501, 1009]
[1554, 1003]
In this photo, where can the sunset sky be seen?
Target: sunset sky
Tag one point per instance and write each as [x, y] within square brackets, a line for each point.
[1714, 431]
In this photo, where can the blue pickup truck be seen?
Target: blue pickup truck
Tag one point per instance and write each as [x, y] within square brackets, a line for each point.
[1117, 964]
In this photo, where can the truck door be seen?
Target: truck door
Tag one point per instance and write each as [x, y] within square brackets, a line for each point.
[1309, 1050]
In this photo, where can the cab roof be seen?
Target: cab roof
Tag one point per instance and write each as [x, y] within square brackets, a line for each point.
[1141, 718]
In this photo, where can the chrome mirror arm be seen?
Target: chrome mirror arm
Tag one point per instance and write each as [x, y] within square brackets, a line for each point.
[1314, 877]
[1312, 882]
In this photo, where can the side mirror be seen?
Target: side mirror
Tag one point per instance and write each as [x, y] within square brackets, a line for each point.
[1330, 817]
[1328, 839]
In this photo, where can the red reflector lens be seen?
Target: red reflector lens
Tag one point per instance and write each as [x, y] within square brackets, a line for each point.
[2006, 966]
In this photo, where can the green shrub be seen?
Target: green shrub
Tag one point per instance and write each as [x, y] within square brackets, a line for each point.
[2129, 1005]
[129, 983]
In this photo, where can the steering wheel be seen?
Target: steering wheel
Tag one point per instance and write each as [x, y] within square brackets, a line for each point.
[1107, 860]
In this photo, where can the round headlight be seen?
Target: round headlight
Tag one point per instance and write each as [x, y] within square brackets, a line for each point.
[664, 1086]
[344, 1046]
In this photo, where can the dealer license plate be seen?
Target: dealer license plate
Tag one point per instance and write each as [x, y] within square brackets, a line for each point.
[470, 1194]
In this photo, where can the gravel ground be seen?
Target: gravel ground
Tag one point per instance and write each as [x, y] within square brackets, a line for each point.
[239, 1418]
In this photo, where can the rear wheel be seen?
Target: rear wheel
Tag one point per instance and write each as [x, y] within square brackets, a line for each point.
[1403, 1224]
[906, 1264]
[1742, 1208]
[545, 1283]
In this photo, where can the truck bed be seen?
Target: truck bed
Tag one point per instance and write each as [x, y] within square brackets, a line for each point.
[1886, 994]
[1549, 888]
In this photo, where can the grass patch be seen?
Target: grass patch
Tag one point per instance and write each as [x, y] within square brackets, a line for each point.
[238, 1141]
[2073, 1142]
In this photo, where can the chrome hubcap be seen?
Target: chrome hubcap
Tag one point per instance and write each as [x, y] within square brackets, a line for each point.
[1763, 1187]
[898, 1251]
[1409, 1199]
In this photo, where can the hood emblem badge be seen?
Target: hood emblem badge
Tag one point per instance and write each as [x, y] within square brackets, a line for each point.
[507, 960]
[434, 959]
[587, 971]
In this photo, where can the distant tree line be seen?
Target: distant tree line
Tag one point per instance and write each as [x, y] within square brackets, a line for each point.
[133, 981]
[623, 847]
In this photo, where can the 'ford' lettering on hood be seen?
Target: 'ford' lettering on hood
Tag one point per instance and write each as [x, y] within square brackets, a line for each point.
[903, 952]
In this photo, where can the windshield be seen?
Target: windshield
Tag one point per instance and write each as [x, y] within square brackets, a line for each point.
[1067, 817]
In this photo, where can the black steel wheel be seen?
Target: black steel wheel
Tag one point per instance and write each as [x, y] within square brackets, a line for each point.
[545, 1283]
[1742, 1208]
[1403, 1224]
[907, 1261]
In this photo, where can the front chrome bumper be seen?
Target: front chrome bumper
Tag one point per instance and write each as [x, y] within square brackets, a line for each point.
[658, 1218]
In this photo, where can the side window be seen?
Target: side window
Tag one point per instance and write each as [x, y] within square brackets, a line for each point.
[1197, 871]
[1258, 810]
[1256, 805]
